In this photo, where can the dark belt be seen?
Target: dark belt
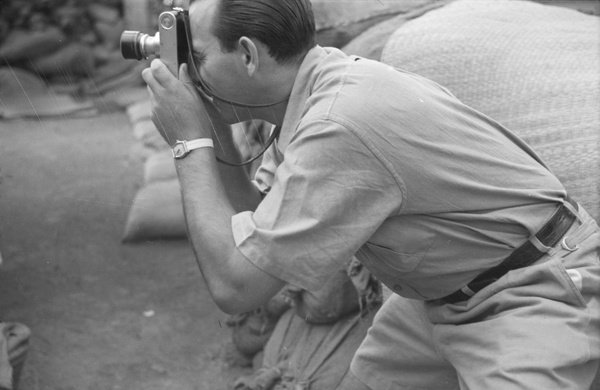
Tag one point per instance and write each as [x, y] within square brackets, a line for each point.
[525, 255]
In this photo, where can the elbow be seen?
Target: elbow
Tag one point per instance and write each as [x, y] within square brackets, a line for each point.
[228, 306]
[231, 300]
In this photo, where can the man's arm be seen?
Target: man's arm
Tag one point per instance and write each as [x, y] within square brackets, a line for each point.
[235, 283]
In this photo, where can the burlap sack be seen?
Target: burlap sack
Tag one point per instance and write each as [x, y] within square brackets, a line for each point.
[370, 43]
[22, 45]
[73, 59]
[338, 22]
[139, 111]
[534, 68]
[14, 345]
[156, 213]
[250, 331]
[304, 356]
[145, 132]
[335, 300]
[159, 166]
[314, 353]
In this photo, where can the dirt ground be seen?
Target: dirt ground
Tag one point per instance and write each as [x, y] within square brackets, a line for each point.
[103, 315]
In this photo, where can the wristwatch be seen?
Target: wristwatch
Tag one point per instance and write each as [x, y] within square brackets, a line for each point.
[181, 149]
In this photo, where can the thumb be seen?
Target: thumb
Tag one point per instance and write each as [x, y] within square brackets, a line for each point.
[184, 76]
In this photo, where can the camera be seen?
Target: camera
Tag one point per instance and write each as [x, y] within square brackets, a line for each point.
[170, 43]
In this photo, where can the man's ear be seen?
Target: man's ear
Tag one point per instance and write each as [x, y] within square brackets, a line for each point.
[249, 53]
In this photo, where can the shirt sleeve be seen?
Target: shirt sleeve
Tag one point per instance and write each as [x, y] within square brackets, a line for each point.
[329, 195]
[265, 174]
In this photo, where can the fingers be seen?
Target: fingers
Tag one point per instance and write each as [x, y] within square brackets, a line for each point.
[148, 77]
[161, 73]
[184, 76]
[157, 75]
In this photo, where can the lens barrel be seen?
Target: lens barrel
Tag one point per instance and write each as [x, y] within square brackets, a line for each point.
[131, 45]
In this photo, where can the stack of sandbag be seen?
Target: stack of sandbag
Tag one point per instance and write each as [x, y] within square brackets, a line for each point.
[157, 210]
[532, 67]
[47, 39]
[73, 46]
[312, 343]
[59, 39]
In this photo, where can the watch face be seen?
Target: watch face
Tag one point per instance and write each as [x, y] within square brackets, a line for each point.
[179, 150]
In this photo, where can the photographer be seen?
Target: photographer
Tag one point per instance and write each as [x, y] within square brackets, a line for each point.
[494, 267]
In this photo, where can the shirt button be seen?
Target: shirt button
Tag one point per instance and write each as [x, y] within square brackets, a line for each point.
[397, 287]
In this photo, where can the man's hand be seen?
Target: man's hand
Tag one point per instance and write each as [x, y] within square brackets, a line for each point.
[178, 111]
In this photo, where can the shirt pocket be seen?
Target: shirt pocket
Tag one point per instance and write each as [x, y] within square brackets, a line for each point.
[390, 260]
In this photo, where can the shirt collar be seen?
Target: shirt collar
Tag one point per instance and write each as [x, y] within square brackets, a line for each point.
[301, 91]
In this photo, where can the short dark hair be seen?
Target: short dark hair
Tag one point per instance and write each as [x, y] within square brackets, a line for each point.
[286, 27]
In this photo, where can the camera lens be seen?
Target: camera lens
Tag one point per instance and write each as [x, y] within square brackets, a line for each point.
[131, 45]
[137, 46]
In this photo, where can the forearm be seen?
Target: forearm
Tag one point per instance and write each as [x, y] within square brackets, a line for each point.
[235, 283]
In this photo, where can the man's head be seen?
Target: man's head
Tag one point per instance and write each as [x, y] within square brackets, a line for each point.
[286, 27]
[249, 51]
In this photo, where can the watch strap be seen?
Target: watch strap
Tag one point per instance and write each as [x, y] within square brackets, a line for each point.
[183, 148]
[199, 143]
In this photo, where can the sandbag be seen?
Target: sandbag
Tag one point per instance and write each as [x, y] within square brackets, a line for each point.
[22, 45]
[156, 213]
[369, 44]
[316, 355]
[336, 299]
[251, 330]
[304, 356]
[337, 24]
[138, 111]
[74, 59]
[146, 132]
[24, 94]
[14, 345]
[532, 67]
[110, 33]
[159, 166]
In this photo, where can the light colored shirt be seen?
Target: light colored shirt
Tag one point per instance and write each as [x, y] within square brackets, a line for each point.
[390, 166]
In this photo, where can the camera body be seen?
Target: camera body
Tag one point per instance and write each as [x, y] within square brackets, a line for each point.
[170, 43]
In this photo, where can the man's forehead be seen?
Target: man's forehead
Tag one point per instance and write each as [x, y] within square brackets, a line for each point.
[201, 12]
[203, 7]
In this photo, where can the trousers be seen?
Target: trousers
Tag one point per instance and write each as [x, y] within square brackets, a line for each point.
[535, 328]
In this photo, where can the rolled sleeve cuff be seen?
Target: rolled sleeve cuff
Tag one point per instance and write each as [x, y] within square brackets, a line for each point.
[256, 246]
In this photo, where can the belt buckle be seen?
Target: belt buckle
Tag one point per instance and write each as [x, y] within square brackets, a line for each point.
[566, 246]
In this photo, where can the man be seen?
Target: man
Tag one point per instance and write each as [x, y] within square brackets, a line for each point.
[495, 268]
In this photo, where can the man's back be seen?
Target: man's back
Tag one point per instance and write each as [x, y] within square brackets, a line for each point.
[433, 187]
